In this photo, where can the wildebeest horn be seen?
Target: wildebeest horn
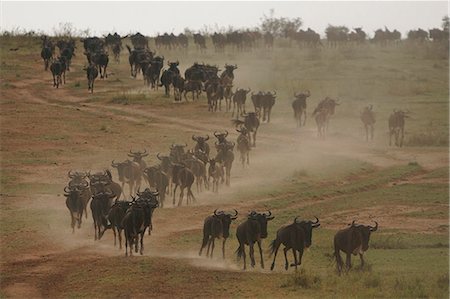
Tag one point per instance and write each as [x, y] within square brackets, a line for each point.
[296, 94]
[70, 174]
[309, 92]
[353, 223]
[215, 133]
[194, 137]
[144, 154]
[215, 213]
[226, 133]
[317, 220]
[185, 144]
[267, 216]
[114, 164]
[295, 219]
[248, 90]
[372, 229]
[235, 66]
[235, 213]
[207, 138]
[274, 93]
[239, 131]
[65, 189]
[85, 184]
[157, 156]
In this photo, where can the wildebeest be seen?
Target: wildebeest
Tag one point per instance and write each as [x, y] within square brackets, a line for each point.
[263, 103]
[93, 44]
[183, 177]
[221, 137]
[159, 180]
[178, 83]
[397, 126]
[199, 41]
[252, 230]
[195, 87]
[213, 93]
[201, 144]
[75, 205]
[103, 181]
[137, 157]
[166, 166]
[239, 98]
[299, 107]
[137, 58]
[139, 41]
[151, 198]
[100, 205]
[198, 168]
[243, 145]
[135, 222]
[99, 59]
[368, 119]
[228, 72]
[251, 124]
[324, 110]
[296, 236]
[215, 171]
[216, 226]
[57, 69]
[46, 54]
[177, 152]
[352, 240]
[129, 172]
[91, 74]
[153, 71]
[77, 180]
[225, 156]
[115, 217]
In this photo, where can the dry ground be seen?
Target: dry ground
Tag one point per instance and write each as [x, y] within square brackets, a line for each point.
[45, 132]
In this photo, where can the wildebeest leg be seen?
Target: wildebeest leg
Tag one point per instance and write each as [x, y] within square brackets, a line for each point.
[104, 71]
[189, 192]
[366, 127]
[348, 262]
[126, 243]
[119, 231]
[286, 262]
[390, 137]
[181, 197]
[254, 138]
[248, 159]
[114, 232]
[252, 254]
[223, 247]
[402, 135]
[72, 223]
[260, 253]
[212, 247]
[142, 243]
[209, 245]
[372, 128]
[174, 190]
[362, 260]
[276, 246]
[294, 252]
[304, 117]
[244, 255]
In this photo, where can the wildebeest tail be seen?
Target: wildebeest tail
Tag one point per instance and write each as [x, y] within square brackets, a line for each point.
[237, 122]
[272, 247]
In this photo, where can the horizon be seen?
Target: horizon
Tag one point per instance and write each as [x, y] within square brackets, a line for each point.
[123, 17]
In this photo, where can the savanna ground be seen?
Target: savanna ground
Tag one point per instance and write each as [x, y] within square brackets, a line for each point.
[46, 131]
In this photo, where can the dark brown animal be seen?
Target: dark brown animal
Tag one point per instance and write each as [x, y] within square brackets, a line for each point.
[299, 107]
[368, 119]
[216, 226]
[296, 236]
[252, 231]
[352, 240]
[397, 127]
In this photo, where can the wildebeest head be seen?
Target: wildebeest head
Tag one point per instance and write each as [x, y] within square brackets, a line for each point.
[307, 227]
[177, 152]
[200, 139]
[262, 219]
[137, 156]
[303, 95]
[243, 130]
[121, 167]
[221, 137]
[365, 231]
[226, 219]
[173, 66]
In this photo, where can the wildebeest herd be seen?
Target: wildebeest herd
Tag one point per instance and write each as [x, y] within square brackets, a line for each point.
[181, 168]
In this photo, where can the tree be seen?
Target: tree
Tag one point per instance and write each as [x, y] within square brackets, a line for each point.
[279, 26]
[445, 23]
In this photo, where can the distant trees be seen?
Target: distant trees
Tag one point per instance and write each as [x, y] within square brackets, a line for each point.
[279, 26]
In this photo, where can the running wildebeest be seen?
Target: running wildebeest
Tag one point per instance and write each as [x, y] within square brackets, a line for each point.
[251, 124]
[57, 69]
[137, 157]
[216, 226]
[158, 180]
[324, 110]
[239, 98]
[299, 107]
[183, 177]
[397, 127]
[296, 236]
[225, 156]
[263, 103]
[368, 119]
[215, 171]
[198, 168]
[252, 230]
[100, 206]
[243, 145]
[129, 172]
[352, 240]
[91, 74]
[75, 205]
[102, 181]
[46, 54]
[115, 217]
[99, 59]
[201, 145]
